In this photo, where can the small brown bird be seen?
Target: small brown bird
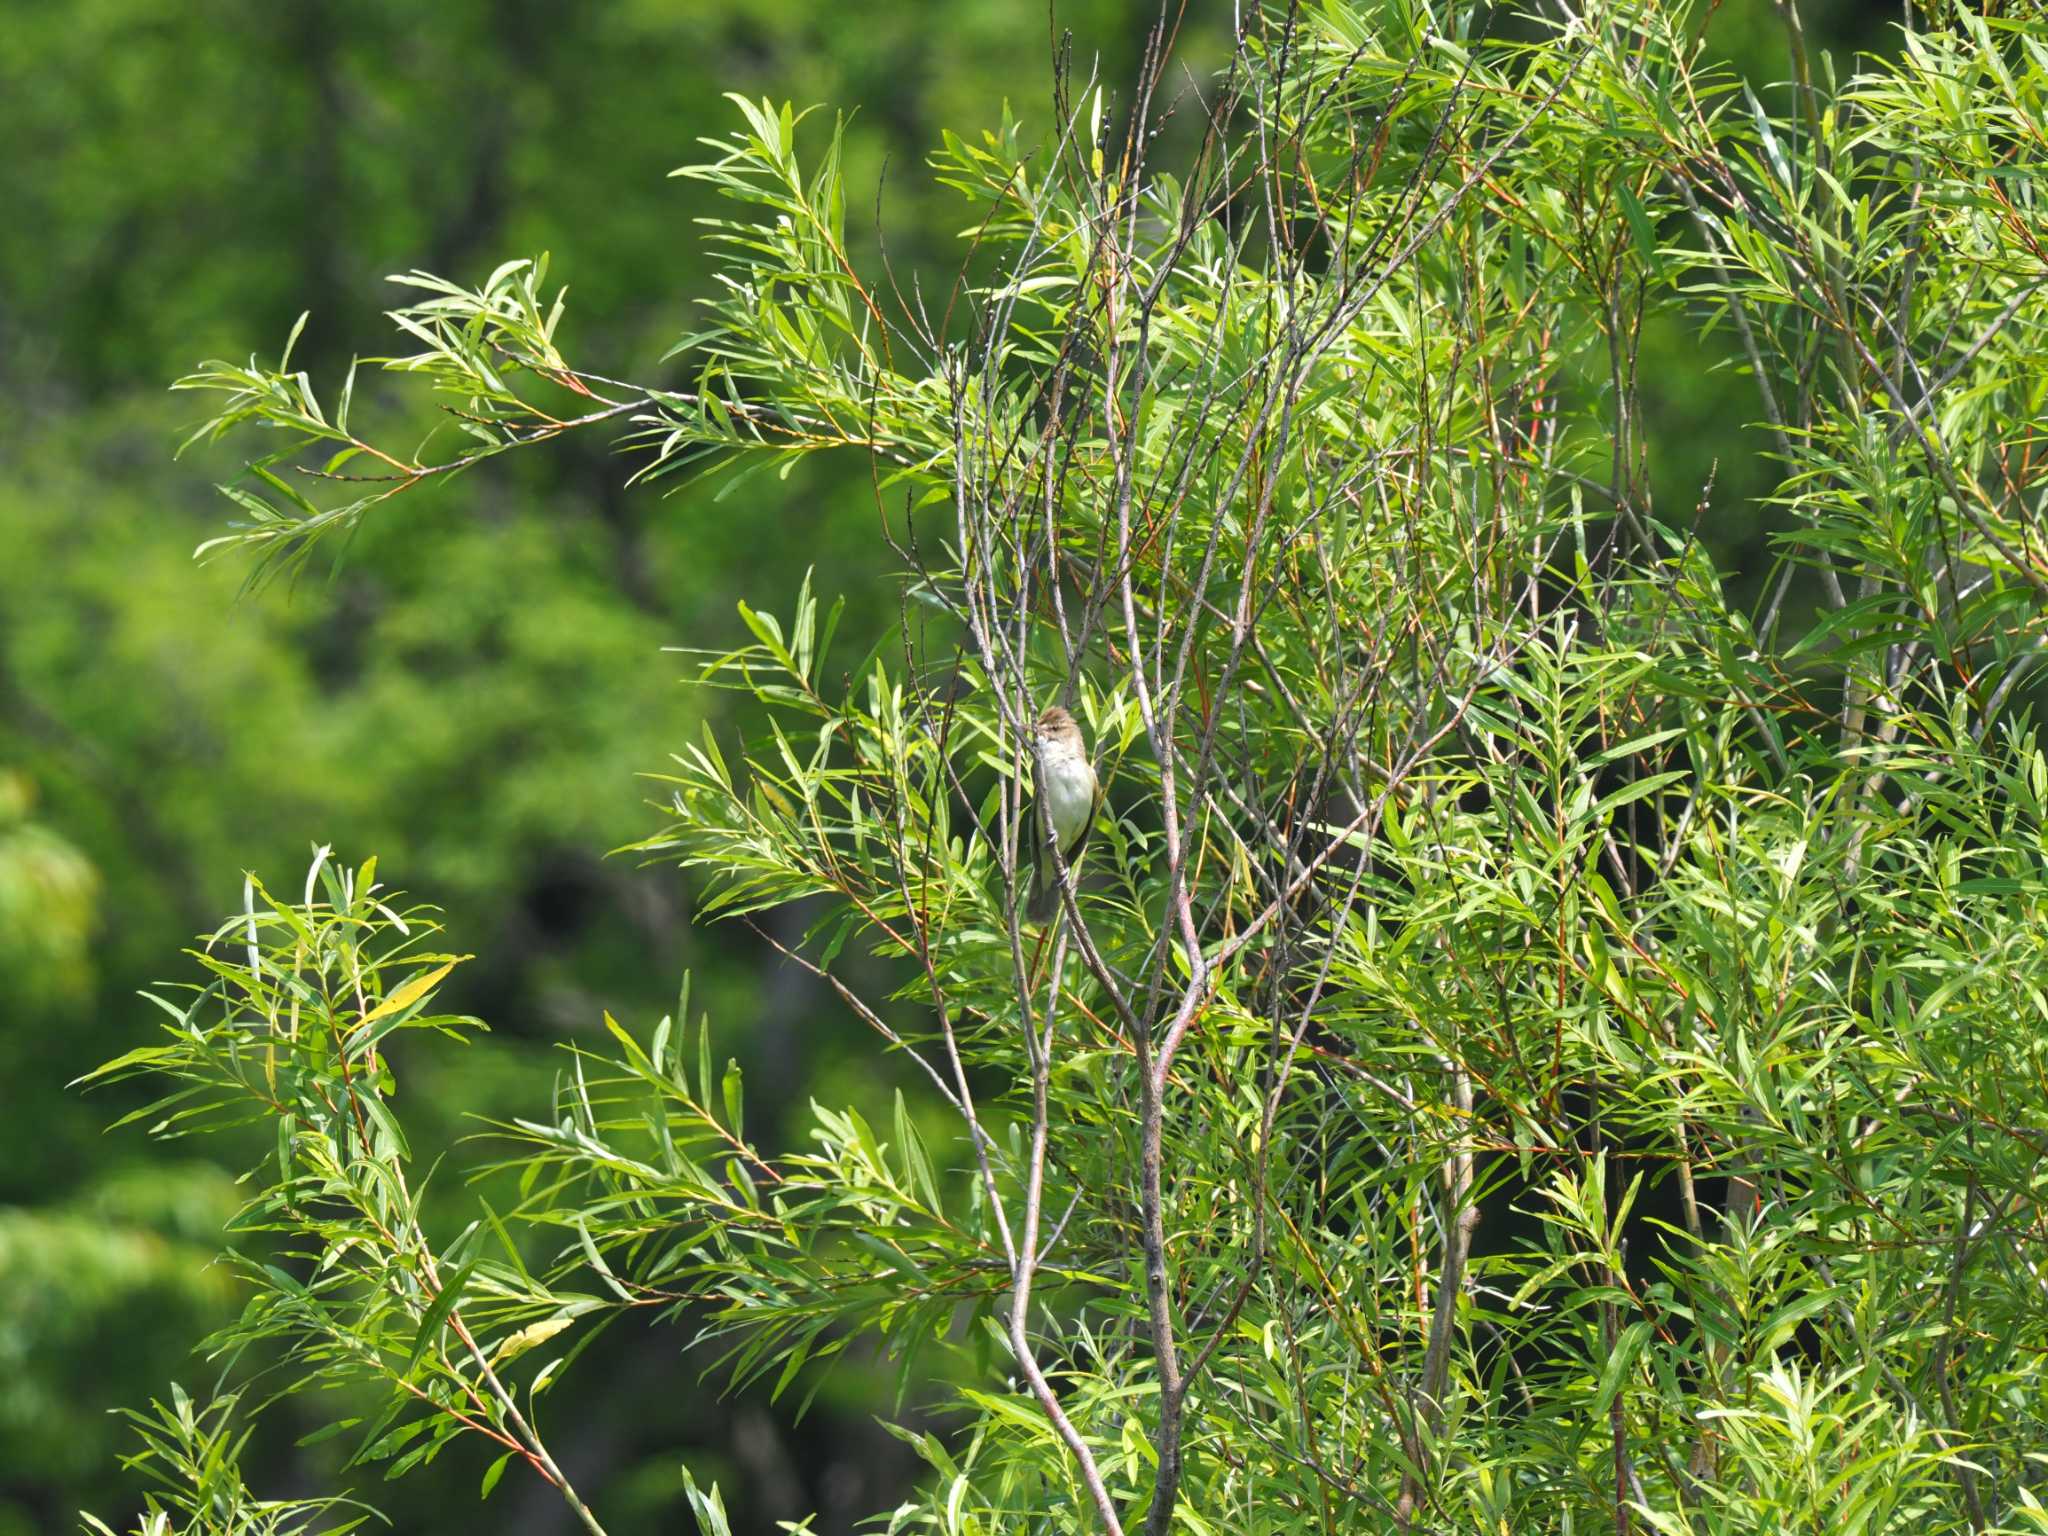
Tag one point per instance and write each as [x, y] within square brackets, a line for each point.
[1067, 785]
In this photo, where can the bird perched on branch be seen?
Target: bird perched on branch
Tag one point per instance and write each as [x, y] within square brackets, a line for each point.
[1068, 790]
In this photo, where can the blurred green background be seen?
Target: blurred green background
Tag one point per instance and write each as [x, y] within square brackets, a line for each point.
[471, 696]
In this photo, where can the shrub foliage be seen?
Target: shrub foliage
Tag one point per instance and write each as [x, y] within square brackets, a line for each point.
[1537, 1042]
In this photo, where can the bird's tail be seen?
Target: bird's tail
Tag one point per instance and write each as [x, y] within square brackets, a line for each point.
[1044, 904]
[1045, 892]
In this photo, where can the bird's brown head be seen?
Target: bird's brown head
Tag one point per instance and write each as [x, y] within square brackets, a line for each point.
[1057, 728]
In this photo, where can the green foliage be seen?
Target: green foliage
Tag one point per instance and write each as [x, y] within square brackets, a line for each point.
[193, 1454]
[469, 696]
[119, 1269]
[49, 898]
[1545, 1045]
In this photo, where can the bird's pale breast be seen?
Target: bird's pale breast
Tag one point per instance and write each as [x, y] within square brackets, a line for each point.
[1069, 794]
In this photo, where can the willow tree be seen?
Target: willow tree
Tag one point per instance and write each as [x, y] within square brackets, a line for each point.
[1534, 1044]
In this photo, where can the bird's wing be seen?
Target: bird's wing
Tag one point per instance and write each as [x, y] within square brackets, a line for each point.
[1094, 810]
